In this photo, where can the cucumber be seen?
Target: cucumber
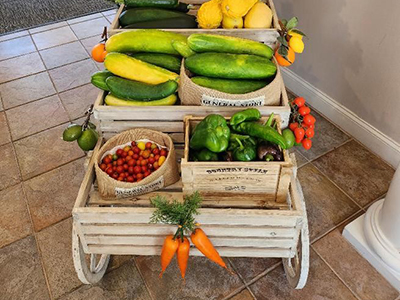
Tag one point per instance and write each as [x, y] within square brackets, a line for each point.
[146, 40]
[136, 15]
[99, 79]
[131, 68]
[183, 48]
[151, 3]
[230, 66]
[230, 86]
[228, 44]
[169, 62]
[183, 7]
[135, 90]
[114, 101]
[170, 23]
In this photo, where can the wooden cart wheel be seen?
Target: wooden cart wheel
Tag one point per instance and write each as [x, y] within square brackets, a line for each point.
[296, 268]
[95, 272]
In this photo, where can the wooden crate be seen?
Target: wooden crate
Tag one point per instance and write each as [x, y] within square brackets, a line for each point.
[122, 226]
[267, 36]
[169, 119]
[234, 181]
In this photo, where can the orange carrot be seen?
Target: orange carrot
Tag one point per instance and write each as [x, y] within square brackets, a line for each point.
[183, 255]
[201, 241]
[168, 251]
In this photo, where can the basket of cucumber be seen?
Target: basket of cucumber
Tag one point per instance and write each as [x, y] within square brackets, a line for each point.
[258, 22]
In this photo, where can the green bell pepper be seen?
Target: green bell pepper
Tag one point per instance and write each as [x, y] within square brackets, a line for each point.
[250, 114]
[212, 133]
[244, 152]
[204, 155]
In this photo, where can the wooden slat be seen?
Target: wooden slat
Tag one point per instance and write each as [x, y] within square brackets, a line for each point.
[163, 126]
[223, 251]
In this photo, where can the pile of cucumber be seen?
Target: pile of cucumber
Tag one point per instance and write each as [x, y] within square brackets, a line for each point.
[229, 64]
[163, 14]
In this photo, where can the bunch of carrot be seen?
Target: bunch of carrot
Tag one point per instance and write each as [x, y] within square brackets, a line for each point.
[182, 215]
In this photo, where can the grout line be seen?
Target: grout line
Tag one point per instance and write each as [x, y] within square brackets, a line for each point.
[251, 292]
[142, 277]
[262, 274]
[331, 150]
[234, 292]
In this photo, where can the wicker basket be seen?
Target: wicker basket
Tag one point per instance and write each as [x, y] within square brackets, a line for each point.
[166, 175]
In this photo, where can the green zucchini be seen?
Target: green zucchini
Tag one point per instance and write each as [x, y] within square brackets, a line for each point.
[183, 48]
[170, 23]
[230, 86]
[115, 101]
[152, 3]
[146, 40]
[99, 79]
[228, 44]
[230, 66]
[136, 15]
[135, 90]
[183, 7]
[166, 61]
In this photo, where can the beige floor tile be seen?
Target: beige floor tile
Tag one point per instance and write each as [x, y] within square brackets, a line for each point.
[322, 284]
[353, 269]
[123, 283]
[78, 100]
[90, 28]
[56, 249]
[327, 206]
[21, 272]
[21, 66]
[14, 35]
[5, 131]
[110, 18]
[63, 55]
[16, 47]
[26, 89]
[53, 37]
[365, 176]
[250, 267]
[15, 222]
[48, 27]
[45, 151]
[243, 295]
[109, 12]
[84, 18]
[327, 137]
[73, 75]
[36, 116]
[9, 173]
[89, 43]
[52, 195]
[204, 279]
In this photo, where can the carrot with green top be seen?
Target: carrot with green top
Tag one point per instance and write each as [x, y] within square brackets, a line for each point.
[168, 251]
[182, 255]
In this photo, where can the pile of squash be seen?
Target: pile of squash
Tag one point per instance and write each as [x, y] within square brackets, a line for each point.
[234, 14]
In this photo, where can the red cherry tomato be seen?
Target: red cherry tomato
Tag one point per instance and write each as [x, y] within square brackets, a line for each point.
[308, 120]
[307, 143]
[299, 101]
[304, 110]
[310, 133]
[148, 145]
[133, 144]
[137, 169]
[156, 151]
[139, 176]
[163, 152]
[119, 152]
[130, 179]
[299, 133]
[109, 171]
[293, 126]
[131, 170]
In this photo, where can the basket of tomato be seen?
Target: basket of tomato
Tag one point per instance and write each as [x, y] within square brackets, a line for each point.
[136, 162]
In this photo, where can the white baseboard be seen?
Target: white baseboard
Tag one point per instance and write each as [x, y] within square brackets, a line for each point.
[372, 138]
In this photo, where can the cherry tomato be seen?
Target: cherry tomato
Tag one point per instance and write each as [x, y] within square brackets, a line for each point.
[151, 160]
[130, 153]
[156, 151]
[133, 144]
[107, 160]
[304, 110]
[115, 175]
[125, 167]
[120, 162]
[299, 133]
[146, 153]
[299, 101]
[124, 154]
[131, 162]
[135, 156]
[163, 152]
[153, 146]
[109, 171]
[155, 165]
[307, 143]
[119, 152]
[157, 157]
[128, 158]
[148, 145]
[138, 162]
[311, 126]
[103, 166]
[122, 175]
[139, 176]
[120, 169]
[120, 178]
[115, 157]
[293, 126]
[310, 133]
[143, 162]
[99, 52]
[131, 170]
[147, 173]
[114, 168]
[130, 179]
[150, 166]
[137, 169]
[308, 120]
[144, 169]
[136, 150]
[127, 148]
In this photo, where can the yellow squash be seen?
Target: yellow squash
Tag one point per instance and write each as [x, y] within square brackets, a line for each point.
[209, 15]
[111, 100]
[134, 69]
[230, 23]
[259, 16]
[236, 8]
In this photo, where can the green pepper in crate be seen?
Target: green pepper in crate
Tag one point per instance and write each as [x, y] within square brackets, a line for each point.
[212, 133]
[205, 155]
[250, 114]
[246, 151]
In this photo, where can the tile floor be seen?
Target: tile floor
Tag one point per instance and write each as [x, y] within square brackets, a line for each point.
[44, 85]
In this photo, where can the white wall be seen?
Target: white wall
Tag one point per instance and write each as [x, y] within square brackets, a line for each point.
[352, 55]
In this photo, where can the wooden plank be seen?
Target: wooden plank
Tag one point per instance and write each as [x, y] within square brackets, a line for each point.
[223, 251]
[118, 126]
[137, 240]
[283, 185]
[211, 230]
[177, 138]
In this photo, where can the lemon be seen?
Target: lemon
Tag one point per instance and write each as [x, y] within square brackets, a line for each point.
[231, 23]
[88, 139]
[72, 132]
[294, 34]
[296, 44]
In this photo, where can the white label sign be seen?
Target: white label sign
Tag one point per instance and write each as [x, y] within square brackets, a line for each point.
[140, 190]
[207, 100]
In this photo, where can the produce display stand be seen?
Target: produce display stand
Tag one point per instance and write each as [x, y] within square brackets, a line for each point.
[267, 36]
